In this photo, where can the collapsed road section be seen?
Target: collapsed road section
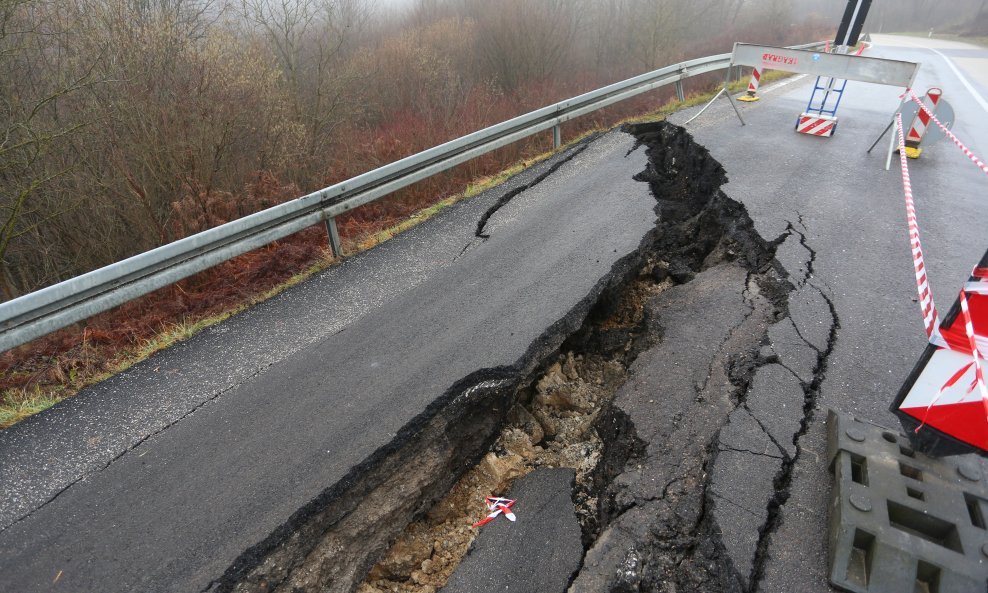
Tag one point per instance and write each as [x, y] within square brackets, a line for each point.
[668, 364]
[679, 405]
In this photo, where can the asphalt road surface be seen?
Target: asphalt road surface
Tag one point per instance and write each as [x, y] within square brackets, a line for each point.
[853, 214]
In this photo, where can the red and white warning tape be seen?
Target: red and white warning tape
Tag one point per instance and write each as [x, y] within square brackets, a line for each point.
[981, 165]
[979, 375]
[496, 506]
[931, 319]
[979, 286]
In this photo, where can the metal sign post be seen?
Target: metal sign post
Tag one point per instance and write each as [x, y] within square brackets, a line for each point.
[850, 26]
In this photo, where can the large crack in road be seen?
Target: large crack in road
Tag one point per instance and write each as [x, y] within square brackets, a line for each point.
[673, 400]
[673, 372]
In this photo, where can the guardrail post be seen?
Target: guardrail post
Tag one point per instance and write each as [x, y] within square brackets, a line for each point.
[334, 237]
[557, 136]
[679, 91]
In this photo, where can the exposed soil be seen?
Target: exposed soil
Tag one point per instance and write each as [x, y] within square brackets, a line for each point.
[553, 425]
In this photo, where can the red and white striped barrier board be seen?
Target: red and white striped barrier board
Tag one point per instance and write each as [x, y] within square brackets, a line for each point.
[948, 391]
[816, 125]
[922, 119]
[950, 394]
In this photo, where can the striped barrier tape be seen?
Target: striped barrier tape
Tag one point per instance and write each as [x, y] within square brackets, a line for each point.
[979, 375]
[931, 319]
[496, 506]
[981, 165]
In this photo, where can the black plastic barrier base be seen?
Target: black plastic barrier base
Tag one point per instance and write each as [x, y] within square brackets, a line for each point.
[901, 520]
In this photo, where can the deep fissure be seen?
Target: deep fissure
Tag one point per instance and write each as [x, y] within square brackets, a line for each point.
[558, 412]
[783, 480]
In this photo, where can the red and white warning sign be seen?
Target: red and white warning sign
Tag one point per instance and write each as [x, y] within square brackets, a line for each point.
[756, 77]
[816, 125]
[922, 119]
[948, 393]
[497, 506]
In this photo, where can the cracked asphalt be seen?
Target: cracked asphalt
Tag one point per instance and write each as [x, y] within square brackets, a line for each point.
[162, 477]
[854, 329]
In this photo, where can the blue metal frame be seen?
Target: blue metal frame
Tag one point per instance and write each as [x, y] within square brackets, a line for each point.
[831, 87]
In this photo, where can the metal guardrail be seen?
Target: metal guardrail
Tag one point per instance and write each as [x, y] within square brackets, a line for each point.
[57, 306]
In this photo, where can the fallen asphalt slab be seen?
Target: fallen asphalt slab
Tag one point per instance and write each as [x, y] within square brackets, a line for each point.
[538, 553]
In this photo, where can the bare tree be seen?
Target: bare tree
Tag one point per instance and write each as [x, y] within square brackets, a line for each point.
[523, 41]
[31, 128]
[311, 40]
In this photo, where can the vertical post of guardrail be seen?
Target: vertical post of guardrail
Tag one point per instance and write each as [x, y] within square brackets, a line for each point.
[557, 136]
[334, 237]
[680, 94]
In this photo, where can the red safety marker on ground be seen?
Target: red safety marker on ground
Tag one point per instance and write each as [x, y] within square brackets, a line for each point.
[756, 77]
[497, 506]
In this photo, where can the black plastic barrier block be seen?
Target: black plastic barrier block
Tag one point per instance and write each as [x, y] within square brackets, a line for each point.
[901, 521]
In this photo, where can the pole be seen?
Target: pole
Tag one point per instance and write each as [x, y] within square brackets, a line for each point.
[334, 237]
[882, 135]
[892, 142]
